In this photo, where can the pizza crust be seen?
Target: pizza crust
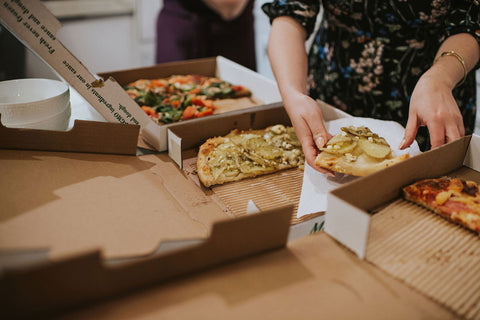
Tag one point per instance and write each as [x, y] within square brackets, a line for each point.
[363, 166]
[203, 169]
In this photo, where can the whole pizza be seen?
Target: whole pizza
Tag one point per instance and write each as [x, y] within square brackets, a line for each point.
[182, 97]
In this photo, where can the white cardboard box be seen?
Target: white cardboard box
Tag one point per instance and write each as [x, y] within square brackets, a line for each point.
[349, 207]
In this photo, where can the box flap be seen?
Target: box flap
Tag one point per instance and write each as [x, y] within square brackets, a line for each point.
[347, 224]
[472, 159]
[85, 136]
[175, 148]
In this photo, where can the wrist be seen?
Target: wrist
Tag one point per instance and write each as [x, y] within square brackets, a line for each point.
[451, 67]
[295, 98]
[440, 77]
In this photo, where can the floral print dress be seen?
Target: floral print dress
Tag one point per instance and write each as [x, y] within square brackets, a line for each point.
[367, 56]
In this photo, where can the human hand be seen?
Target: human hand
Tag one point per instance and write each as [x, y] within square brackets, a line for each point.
[307, 119]
[433, 105]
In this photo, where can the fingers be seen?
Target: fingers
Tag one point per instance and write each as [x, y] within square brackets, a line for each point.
[310, 150]
[410, 132]
[454, 132]
[320, 136]
[441, 132]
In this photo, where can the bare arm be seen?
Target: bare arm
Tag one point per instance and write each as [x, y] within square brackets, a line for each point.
[227, 9]
[432, 102]
[288, 58]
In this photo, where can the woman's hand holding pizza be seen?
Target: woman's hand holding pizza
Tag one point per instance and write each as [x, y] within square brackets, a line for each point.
[307, 119]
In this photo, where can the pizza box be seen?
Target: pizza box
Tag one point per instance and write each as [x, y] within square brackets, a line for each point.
[436, 257]
[78, 227]
[35, 26]
[250, 195]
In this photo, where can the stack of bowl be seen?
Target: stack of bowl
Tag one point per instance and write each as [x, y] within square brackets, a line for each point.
[35, 104]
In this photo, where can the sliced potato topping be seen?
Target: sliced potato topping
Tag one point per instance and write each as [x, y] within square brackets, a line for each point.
[373, 149]
[340, 148]
[354, 141]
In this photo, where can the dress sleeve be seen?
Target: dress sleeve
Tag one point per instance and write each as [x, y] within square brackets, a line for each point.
[464, 18]
[303, 11]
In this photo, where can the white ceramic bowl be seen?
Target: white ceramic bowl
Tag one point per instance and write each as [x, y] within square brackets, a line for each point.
[35, 103]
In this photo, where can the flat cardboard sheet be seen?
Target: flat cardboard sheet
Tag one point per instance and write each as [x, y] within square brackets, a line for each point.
[69, 203]
[313, 278]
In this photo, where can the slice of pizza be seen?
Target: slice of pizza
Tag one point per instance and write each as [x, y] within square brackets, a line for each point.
[246, 154]
[455, 199]
[357, 151]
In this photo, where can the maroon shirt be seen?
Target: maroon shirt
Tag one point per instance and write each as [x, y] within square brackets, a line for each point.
[189, 29]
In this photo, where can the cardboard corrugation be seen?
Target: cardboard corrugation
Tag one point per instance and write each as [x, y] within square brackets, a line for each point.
[429, 253]
[267, 192]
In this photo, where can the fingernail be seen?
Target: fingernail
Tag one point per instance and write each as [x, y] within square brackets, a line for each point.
[401, 144]
[320, 142]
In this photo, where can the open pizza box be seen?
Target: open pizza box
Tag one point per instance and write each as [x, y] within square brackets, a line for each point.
[79, 227]
[436, 257]
[35, 26]
[266, 192]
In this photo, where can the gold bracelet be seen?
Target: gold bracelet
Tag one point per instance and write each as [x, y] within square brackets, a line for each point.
[460, 59]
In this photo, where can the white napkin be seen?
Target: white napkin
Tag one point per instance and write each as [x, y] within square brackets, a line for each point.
[316, 185]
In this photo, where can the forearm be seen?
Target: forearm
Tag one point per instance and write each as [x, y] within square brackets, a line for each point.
[227, 9]
[449, 68]
[288, 57]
